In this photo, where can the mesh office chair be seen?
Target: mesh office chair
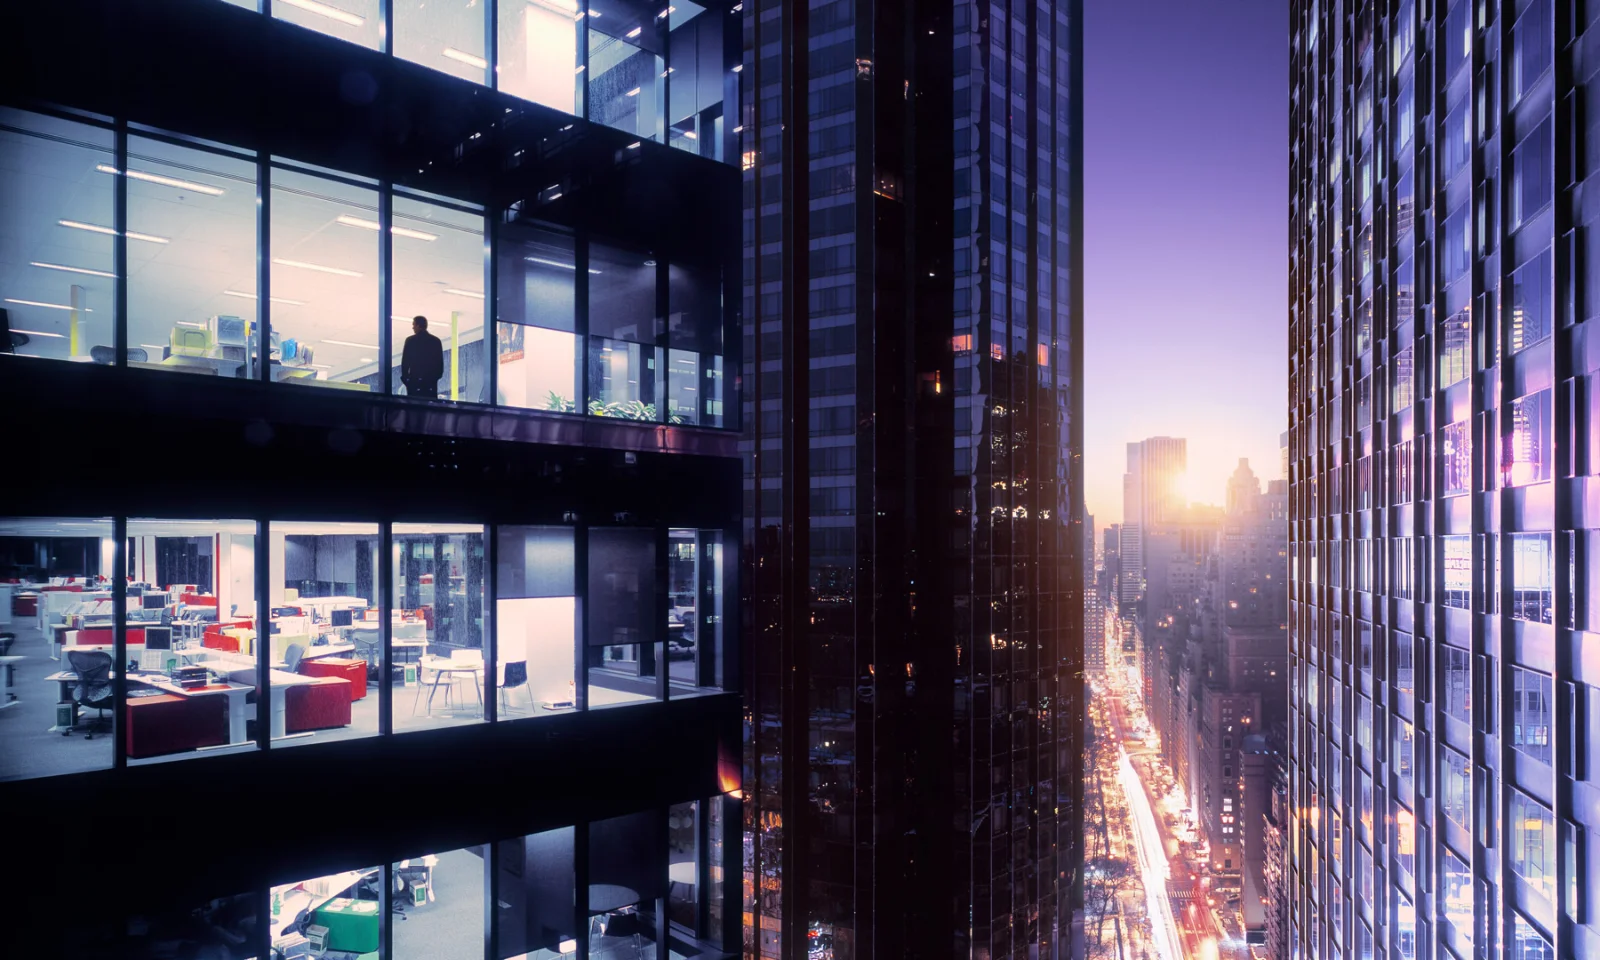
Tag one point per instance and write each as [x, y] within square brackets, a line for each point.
[93, 689]
[6, 640]
[291, 657]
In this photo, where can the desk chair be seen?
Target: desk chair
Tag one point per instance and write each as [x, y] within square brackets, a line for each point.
[624, 929]
[516, 675]
[93, 689]
[6, 640]
[369, 645]
[291, 657]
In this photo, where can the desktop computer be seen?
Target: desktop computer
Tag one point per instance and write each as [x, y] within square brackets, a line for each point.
[158, 638]
[342, 618]
[155, 599]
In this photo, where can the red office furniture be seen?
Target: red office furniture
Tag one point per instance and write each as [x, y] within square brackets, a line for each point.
[317, 706]
[354, 671]
[169, 723]
[197, 600]
[101, 637]
[24, 606]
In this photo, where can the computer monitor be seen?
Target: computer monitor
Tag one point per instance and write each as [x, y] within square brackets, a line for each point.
[231, 331]
[277, 628]
[370, 616]
[342, 618]
[158, 638]
[154, 600]
[134, 590]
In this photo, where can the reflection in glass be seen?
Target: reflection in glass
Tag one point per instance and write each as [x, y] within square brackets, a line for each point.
[1457, 572]
[534, 896]
[1532, 575]
[623, 379]
[1525, 451]
[358, 21]
[1455, 455]
[625, 71]
[438, 274]
[55, 224]
[1456, 689]
[446, 35]
[1531, 713]
[438, 598]
[1455, 348]
[623, 650]
[1529, 308]
[192, 299]
[695, 85]
[1533, 844]
[537, 347]
[324, 282]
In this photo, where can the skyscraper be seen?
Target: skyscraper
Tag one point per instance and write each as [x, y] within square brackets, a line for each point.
[1440, 452]
[1094, 608]
[1149, 496]
[306, 638]
[913, 499]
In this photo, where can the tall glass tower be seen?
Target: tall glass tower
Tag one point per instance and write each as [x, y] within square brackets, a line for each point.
[913, 505]
[1441, 455]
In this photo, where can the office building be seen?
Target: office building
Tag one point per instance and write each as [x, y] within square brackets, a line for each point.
[325, 633]
[1094, 610]
[1149, 496]
[913, 478]
[1440, 452]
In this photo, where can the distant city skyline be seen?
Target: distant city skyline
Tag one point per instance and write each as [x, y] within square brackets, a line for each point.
[1185, 279]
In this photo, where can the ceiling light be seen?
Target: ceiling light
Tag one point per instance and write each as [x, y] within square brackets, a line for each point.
[367, 360]
[634, 145]
[350, 221]
[558, 263]
[347, 343]
[194, 324]
[323, 10]
[58, 266]
[738, 68]
[250, 296]
[339, 271]
[690, 134]
[633, 93]
[96, 228]
[463, 293]
[48, 306]
[206, 189]
[461, 56]
[565, 6]
[39, 333]
[152, 346]
[635, 32]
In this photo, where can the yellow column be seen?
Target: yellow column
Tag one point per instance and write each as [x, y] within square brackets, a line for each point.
[455, 355]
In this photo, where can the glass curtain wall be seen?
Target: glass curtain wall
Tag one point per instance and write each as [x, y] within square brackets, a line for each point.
[447, 35]
[623, 649]
[439, 274]
[536, 621]
[438, 595]
[536, 336]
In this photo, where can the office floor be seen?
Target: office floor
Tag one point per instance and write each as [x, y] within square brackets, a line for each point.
[27, 747]
[451, 927]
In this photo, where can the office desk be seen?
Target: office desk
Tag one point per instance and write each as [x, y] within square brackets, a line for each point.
[237, 694]
[324, 605]
[317, 653]
[7, 698]
[213, 365]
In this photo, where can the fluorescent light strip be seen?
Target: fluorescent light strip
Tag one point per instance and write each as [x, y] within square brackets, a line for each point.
[59, 266]
[557, 263]
[350, 221]
[635, 32]
[38, 333]
[463, 293]
[96, 228]
[152, 346]
[48, 306]
[338, 271]
[461, 56]
[323, 10]
[250, 296]
[206, 189]
[690, 134]
[192, 324]
[634, 92]
[347, 343]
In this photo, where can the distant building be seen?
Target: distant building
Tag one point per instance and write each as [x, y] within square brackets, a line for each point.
[1094, 608]
[1149, 496]
[1275, 876]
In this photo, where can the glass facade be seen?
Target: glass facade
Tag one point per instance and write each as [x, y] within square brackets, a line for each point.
[1470, 321]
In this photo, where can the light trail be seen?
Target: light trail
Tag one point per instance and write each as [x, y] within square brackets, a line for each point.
[1153, 869]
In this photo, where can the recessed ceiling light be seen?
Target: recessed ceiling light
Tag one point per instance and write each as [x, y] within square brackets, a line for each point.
[635, 32]
[461, 56]
[463, 293]
[350, 221]
[48, 306]
[633, 93]
[558, 263]
[303, 265]
[64, 267]
[323, 10]
[347, 343]
[250, 296]
[367, 360]
[39, 333]
[690, 134]
[96, 228]
[204, 188]
[152, 346]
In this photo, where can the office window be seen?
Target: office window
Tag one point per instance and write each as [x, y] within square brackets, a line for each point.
[1456, 244]
[1364, 645]
[694, 612]
[358, 21]
[695, 84]
[1405, 927]
[1455, 788]
[326, 638]
[55, 597]
[1531, 695]
[1457, 564]
[626, 883]
[1401, 471]
[1401, 566]
[55, 224]
[538, 53]
[191, 622]
[446, 35]
[324, 281]
[1363, 482]
[694, 340]
[1455, 455]
[192, 290]
[625, 364]
[1533, 844]
[1402, 380]
[439, 582]
[625, 74]
[1531, 43]
[534, 896]
[346, 905]
[1363, 708]
[686, 834]
[623, 648]
[1532, 574]
[536, 626]
[1525, 450]
[1455, 348]
[536, 343]
[1529, 309]
[1405, 674]
[1455, 885]
[439, 274]
[1456, 690]
[1402, 763]
[1527, 943]
[1363, 403]
[440, 899]
[1531, 176]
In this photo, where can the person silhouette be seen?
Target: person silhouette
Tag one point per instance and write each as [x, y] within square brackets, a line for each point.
[422, 363]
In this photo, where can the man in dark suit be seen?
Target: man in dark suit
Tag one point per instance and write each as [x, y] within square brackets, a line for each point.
[422, 363]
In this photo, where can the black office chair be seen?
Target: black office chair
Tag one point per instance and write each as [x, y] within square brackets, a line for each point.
[516, 676]
[291, 657]
[6, 640]
[622, 929]
[93, 689]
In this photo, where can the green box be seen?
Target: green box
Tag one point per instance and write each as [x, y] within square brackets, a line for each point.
[411, 674]
[352, 924]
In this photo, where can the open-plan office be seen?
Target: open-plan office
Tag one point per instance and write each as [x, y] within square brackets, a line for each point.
[198, 642]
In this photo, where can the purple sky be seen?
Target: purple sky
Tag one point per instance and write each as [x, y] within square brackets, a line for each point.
[1186, 192]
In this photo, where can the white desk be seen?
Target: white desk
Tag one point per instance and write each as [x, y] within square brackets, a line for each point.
[323, 605]
[449, 668]
[317, 653]
[281, 682]
[237, 694]
[7, 698]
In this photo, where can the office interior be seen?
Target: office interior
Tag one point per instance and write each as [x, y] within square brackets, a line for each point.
[450, 639]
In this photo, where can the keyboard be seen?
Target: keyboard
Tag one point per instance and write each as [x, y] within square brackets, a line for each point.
[135, 694]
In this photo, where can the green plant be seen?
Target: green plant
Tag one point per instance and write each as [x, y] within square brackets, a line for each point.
[625, 409]
[559, 404]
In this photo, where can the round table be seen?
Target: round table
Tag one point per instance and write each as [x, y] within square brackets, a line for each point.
[606, 897]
